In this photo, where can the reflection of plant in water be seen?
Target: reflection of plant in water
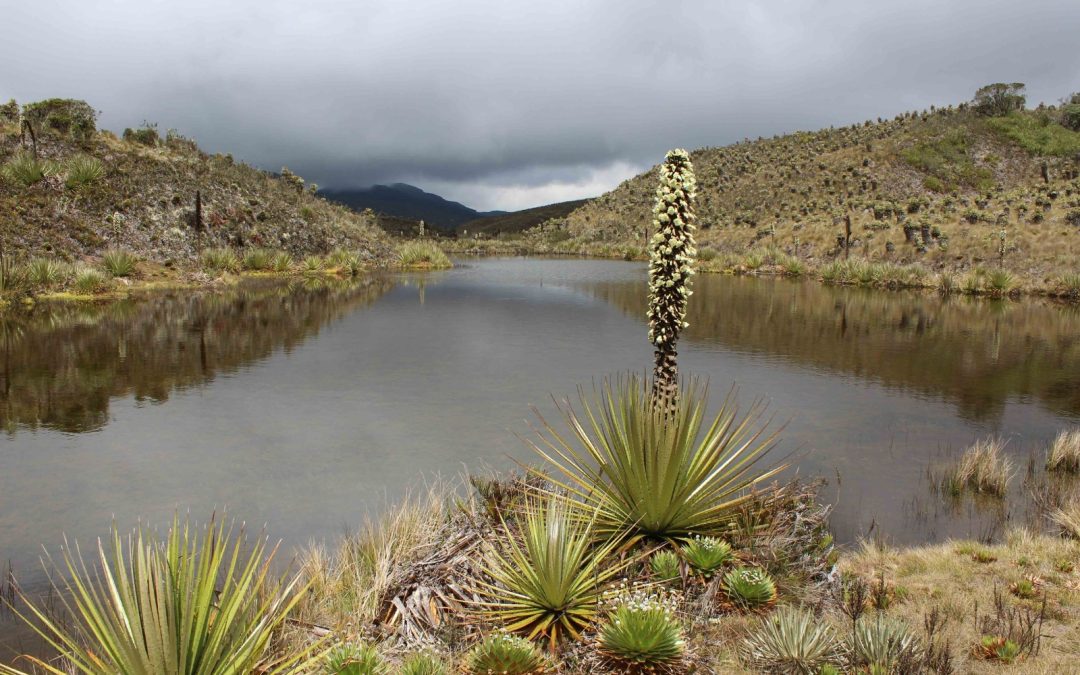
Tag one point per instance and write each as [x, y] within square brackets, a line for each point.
[976, 353]
[61, 364]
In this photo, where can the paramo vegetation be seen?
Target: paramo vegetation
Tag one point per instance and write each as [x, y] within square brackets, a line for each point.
[649, 536]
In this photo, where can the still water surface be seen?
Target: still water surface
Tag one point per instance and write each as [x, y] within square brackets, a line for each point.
[307, 407]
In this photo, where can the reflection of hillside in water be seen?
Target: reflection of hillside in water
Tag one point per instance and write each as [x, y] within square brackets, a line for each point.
[61, 364]
[974, 353]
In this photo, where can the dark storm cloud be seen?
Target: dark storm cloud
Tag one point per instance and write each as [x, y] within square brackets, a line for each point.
[507, 104]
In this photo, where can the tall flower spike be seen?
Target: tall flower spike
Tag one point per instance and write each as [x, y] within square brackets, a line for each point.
[671, 264]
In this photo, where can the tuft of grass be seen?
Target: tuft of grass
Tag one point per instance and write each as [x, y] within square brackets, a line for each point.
[424, 254]
[220, 260]
[1067, 517]
[312, 264]
[24, 169]
[1000, 282]
[45, 272]
[1070, 284]
[505, 654]
[258, 260]
[12, 276]
[983, 467]
[1064, 452]
[281, 262]
[89, 280]
[119, 262]
[792, 640]
[83, 170]
[642, 634]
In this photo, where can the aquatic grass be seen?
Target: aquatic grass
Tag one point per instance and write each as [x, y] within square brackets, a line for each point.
[1067, 517]
[983, 467]
[656, 472]
[791, 640]
[550, 582]
[1064, 452]
[425, 254]
[83, 170]
[193, 604]
[25, 169]
[220, 260]
[119, 262]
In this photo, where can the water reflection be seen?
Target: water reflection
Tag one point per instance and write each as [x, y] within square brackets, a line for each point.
[62, 364]
[976, 354]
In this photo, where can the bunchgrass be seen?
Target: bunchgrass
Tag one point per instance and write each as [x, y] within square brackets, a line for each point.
[425, 254]
[89, 280]
[46, 272]
[1064, 452]
[119, 262]
[24, 169]
[883, 643]
[258, 260]
[220, 260]
[312, 264]
[281, 262]
[83, 170]
[983, 467]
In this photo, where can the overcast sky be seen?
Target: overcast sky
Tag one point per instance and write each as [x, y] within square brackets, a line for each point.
[504, 105]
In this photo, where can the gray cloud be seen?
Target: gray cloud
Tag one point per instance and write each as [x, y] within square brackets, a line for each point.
[506, 104]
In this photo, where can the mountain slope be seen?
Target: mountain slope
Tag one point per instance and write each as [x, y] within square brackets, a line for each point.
[936, 187]
[518, 221]
[96, 191]
[409, 202]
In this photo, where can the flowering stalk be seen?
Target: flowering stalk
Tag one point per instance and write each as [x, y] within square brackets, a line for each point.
[671, 259]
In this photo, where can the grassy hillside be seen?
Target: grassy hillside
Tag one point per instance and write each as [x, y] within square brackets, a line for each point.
[88, 190]
[937, 188]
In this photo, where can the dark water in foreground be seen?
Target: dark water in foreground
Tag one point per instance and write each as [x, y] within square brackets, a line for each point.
[307, 407]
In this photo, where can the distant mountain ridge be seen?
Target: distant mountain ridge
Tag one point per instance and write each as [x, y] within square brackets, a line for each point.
[410, 202]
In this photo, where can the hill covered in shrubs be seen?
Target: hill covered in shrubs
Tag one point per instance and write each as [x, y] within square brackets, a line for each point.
[71, 191]
[952, 189]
